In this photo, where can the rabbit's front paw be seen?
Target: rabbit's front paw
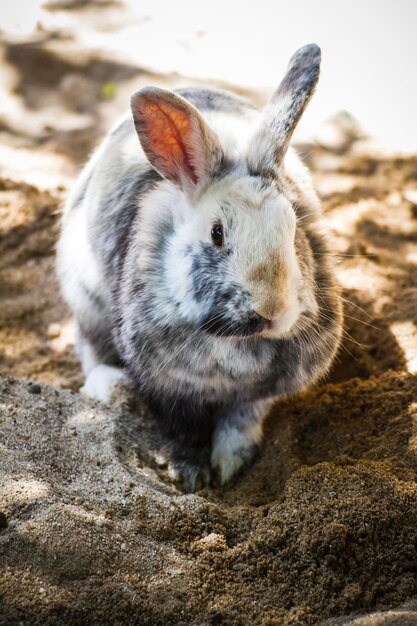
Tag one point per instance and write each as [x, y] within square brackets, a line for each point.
[234, 449]
[101, 382]
[190, 477]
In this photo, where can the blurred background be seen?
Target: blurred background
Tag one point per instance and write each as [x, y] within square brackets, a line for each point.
[369, 53]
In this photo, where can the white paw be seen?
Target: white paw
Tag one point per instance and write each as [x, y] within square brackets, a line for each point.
[233, 448]
[101, 382]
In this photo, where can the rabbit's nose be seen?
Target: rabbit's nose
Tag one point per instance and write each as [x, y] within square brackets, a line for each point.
[272, 307]
[284, 322]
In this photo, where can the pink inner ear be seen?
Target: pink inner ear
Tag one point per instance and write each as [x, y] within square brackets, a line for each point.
[169, 132]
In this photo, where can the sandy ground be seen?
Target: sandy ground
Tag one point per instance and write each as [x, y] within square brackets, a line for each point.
[323, 529]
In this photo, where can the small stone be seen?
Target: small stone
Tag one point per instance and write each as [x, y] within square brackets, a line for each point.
[238, 566]
[54, 330]
[34, 388]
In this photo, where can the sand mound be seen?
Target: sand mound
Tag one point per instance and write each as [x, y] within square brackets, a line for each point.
[325, 524]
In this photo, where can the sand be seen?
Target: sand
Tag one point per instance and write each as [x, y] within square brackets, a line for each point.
[322, 529]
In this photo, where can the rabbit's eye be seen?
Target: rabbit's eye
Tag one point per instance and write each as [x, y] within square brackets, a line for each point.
[217, 235]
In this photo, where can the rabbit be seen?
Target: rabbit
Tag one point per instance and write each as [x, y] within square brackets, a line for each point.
[195, 265]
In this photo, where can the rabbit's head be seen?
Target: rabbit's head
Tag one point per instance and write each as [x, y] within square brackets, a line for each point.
[236, 259]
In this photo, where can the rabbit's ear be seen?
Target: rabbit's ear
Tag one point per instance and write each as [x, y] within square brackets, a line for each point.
[175, 138]
[283, 112]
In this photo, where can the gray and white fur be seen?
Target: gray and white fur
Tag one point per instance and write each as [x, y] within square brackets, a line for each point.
[195, 265]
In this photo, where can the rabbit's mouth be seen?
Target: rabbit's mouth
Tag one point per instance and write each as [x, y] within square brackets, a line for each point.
[222, 326]
[284, 324]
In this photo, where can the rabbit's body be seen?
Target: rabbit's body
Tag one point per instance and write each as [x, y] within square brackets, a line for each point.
[209, 334]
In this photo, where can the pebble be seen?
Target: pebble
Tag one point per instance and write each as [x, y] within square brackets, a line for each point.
[34, 388]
